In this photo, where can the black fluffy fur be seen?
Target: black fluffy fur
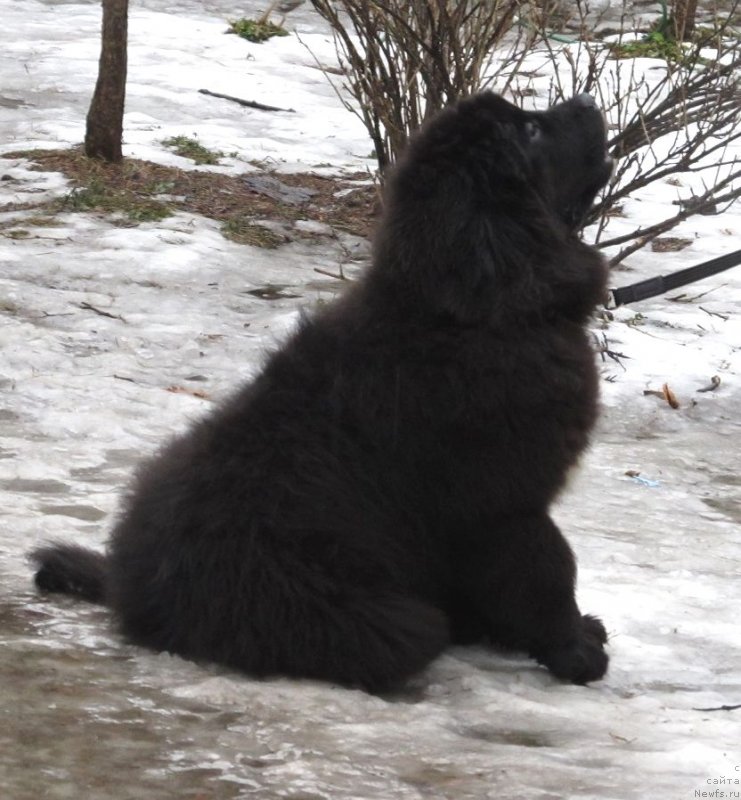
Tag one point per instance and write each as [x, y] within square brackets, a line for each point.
[382, 487]
[72, 570]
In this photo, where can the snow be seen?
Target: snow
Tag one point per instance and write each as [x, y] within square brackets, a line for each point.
[83, 396]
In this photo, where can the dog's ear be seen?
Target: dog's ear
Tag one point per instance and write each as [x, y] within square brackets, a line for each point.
[459, 248]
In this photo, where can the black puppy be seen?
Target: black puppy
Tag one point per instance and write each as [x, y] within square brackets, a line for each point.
[382, 487]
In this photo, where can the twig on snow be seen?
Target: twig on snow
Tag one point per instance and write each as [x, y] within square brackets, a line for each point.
[603, 349]
[724, 317]
[336, 276]
[100, 312]
[714, 384]
[246, 103]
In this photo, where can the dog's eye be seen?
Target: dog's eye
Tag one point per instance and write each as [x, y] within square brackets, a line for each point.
[533, 131]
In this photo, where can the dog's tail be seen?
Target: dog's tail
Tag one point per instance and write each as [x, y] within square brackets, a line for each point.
[69, 569]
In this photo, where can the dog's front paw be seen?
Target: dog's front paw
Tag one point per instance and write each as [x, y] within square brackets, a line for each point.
[583, 659]
[593, 628]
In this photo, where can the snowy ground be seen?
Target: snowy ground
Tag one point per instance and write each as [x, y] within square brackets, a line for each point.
[83, 396]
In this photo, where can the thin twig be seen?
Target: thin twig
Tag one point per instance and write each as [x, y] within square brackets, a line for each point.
[247, 103]
[100, 312]
[724, 317]
[330, 274]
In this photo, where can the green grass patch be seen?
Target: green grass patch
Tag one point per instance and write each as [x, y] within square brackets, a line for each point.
[190, 147]
[160, 187]
[84, 198]
[23, 228]
[41, 221]
[16, 233]
[256, 30]
[653, 45]
[137, 191]
[241, 230]
[97, 196]
[148, 211]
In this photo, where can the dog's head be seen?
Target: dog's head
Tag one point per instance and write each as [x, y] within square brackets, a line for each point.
[558, 155]
[567, 149]
[485, 202]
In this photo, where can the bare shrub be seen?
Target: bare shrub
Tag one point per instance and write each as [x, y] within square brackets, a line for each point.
[406, 59]
[673, 121]
[674, 118]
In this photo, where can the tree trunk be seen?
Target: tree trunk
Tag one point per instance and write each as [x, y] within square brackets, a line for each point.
[104, 131]
[684, 19]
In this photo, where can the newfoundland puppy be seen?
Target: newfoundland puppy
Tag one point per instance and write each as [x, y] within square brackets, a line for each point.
[382, 488]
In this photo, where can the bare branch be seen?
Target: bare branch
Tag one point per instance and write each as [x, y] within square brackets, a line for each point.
[409, 59]
[405, 59]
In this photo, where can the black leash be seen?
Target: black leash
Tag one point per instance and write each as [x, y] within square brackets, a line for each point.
[665, 283]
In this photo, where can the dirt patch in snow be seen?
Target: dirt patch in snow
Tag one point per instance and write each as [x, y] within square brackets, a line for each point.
[137, 191]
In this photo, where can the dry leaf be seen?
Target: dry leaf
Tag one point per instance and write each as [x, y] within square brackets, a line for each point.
[669, 396]
[192, 392]
[665, 394]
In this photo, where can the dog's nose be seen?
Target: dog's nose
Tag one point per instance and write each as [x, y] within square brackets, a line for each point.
[586, 100]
